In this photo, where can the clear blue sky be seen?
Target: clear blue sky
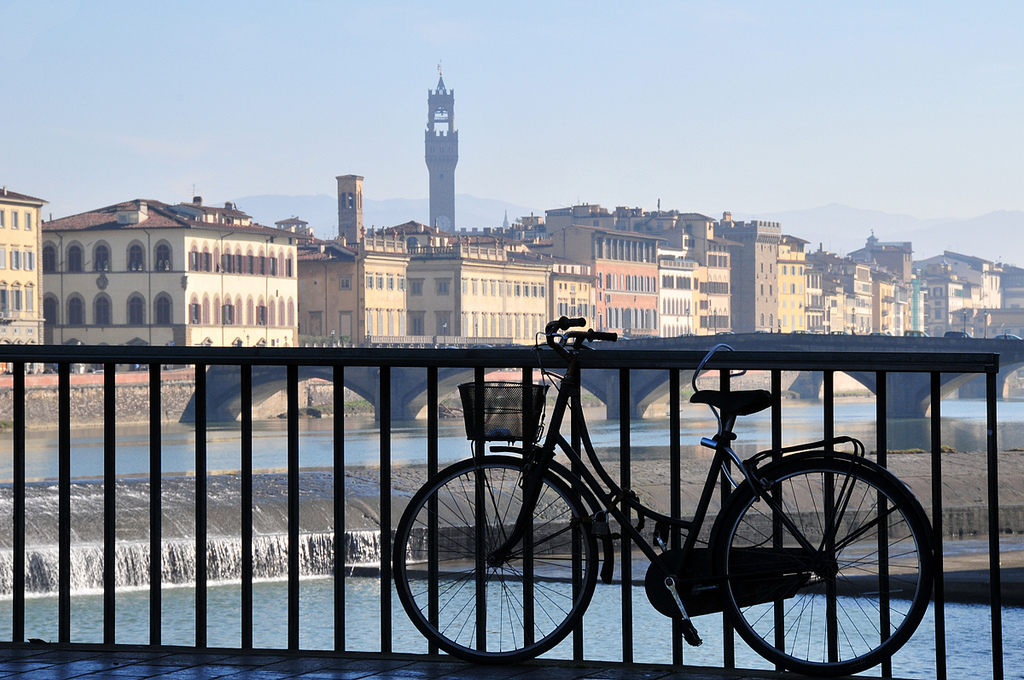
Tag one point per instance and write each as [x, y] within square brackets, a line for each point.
[905, 107]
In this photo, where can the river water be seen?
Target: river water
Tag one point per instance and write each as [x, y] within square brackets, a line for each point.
[963, 429]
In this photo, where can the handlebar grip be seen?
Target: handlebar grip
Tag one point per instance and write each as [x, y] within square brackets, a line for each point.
[603, 335]
[562, 323]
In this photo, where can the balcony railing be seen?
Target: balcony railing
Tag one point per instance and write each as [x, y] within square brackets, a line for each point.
[390, 368]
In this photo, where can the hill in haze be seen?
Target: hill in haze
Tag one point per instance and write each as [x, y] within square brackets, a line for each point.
[997, 236]
[321, 211]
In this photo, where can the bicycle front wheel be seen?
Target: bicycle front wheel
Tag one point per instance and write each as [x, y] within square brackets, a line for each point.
[469, 602]
[835, 574]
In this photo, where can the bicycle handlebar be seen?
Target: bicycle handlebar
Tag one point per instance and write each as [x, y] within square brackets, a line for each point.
[557, 340]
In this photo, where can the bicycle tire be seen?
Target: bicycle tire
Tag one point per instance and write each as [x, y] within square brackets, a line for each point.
[531, 601]
[856, 598]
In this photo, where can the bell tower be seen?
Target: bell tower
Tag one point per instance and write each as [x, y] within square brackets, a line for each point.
[442, 154]
[350, 207]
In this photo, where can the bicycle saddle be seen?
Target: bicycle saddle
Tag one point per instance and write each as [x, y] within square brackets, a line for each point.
[738, 403]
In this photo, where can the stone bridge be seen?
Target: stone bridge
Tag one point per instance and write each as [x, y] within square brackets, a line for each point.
[909, 393]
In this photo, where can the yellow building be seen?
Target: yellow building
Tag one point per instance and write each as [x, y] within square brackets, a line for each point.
[20, 320]
[792, 267]
[148, 273]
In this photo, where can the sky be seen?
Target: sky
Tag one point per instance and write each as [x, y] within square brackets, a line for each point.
[908, 108]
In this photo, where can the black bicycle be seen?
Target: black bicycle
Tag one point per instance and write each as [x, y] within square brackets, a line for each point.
[821, 559]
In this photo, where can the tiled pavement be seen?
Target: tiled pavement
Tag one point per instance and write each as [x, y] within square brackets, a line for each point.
[53, 663]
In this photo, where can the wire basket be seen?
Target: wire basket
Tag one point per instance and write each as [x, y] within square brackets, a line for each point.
[510, 410]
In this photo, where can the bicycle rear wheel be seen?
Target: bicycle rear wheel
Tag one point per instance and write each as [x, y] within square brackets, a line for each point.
[455, 592]
[838, 577]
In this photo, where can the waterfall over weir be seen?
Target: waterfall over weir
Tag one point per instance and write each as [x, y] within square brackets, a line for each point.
[224, 561]
[361, 545]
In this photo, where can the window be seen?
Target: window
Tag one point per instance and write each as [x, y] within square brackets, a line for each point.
[195, 313]
[369, 281]
[136, 310]
[28, 221]
[344, 282]
[101, 258]
[261, 315]
[101, 311]
[162, 310]
[3, 223]
[391, 282]
[15, 259]
[416, 288]
[163, 257]
[76, 312]
[380, 282]
[14, 219]
[49, 260]
[135, 255]
[75, 259]
[227, 315]
[442, 286]
[3, 257]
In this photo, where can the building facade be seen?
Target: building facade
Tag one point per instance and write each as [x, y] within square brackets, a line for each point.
[21, 321]
[148, 273]
[754, 281]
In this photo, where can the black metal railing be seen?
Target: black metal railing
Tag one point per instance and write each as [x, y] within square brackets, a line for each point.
[434, 371]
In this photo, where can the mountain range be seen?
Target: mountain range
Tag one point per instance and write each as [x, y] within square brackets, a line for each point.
[997, 236]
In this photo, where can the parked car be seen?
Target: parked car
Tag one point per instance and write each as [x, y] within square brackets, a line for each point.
[1006, 336]
[956, 334]
[915, 334]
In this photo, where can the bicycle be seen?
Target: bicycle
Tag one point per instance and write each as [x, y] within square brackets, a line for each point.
[821, 559]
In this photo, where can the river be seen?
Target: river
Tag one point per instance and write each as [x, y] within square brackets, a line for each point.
[963, 429]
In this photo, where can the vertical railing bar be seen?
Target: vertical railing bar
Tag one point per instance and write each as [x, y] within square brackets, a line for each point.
[576, 440]
[245, 406]
[829, 430]
[64, 503]
[529, 430]
[995, 580]
[626, 563]
[293, 507]
[18, 543]
[882, 458]
[109, 501]
[155, 507]
[384, 411]
[675, 490]
[728, 632]
[433, 414]
[339, 508]
[777, 534]
[480, 517]
[201, 491]
[939, 598]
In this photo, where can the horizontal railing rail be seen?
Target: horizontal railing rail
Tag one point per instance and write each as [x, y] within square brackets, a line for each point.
[624, 363]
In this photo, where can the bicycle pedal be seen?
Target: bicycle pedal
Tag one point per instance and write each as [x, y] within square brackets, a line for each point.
[690, 634]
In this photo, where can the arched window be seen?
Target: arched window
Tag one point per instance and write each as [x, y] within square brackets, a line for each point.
[291, 311]
[249, 315]
[136, 310]
[75, 258]
[272, 309]
[76, 312]
[162, 309]
[163, 257]
[206, 310]
[280, 312]
[101, 310]
[101, 258]
[49, 259]
[136, 258]
[51, 310]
